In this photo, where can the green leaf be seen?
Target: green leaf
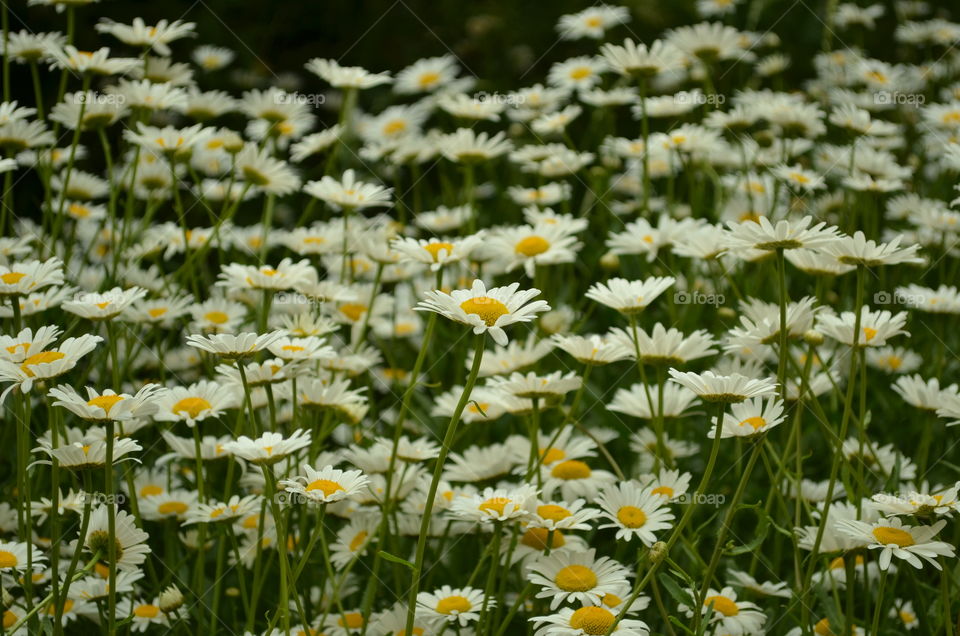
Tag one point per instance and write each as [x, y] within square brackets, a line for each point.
[678, 593]
[396, 559]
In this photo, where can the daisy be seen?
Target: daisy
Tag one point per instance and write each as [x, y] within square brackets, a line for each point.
[194, 403]
[730, 616]
[893, 359]
[13, 557]
[587, 621]
[635, 512]
[349, 192]
[107, 405]
[130, 549]
[27, 343]
[574, 478]
[466, 146]
[749, 418]
[269, 448]
[644, 401]
[629, 297]
[577, 73]
[176, 504]
[212, 58]
[664, 346]
[592, 349]
[353, 539]
[87, 453]
[44, 365]
[346, 76]
[747, 582]
[426, 75]
[496, 504]
[531, 385]
[638, 60]
[858, 250]
[142, 614]
[256, 167]
[578, 577]
[485, 310]
[234, 346]
[326, 485]
[560, 515]
[286, 275]
[236, 508]
[103, 306]
[453, 605]
[436, 252]
[894, 539]
[876, 327]
[528, 246]
[20, 279]
[708, 41]
[723, 388]
[309, 348]
[140, 35]
[785, 235]
[592, 22]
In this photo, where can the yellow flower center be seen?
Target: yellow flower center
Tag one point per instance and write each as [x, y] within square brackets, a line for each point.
[172, 508]
[9, 619]
[489, 309]
[394, 127]
[666, 491]
[358, 541]
[722, 604]
[351, 620]
[551, 455]
[553, 512]
[576, 578]
[12, 278]
[756, 422]
[435, 248]
[327, 486]
[192, 406]
[353, 311]
[869, 333]
[895, 536]
[7, 559]
[216, 317]
[581, 72]
[532, 245]
[495, 505]
[105, 402]
[611, 600]
[536, 538]
[592, 620]
[451, 604]
[146, 611]
[150, 490]
[571, 469]
[428, 79]
[44, 357]
[822, 628]
[156, 312]
[632, 517]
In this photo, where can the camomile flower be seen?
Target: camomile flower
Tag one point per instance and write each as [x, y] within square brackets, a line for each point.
[234, 346]
[108, 405]
[103, 305]
[212, 58]
[894, 539]
[427, 75]
[529, 246]
[592, 22]
[346, 76]
[437, 252]
[326, 485]
[236, 508]
[587, 621]
[664, 346]
[669, 484]
[747, 582]
[453, 605]
[466, 146]
[269, 448]
[96, 62]
[531, 385]
[876, 327]
[629, 297]
[286, 275]
[893, 359]
[486, 310]
[175, 504]
[13, 557]
[27, 343]
[47, 364]
[634, 512]
[728, 615]
[578, 577]
[641, 61]
[349, 192]
[560, 515]
[858, 250]
[723, 388]
[216, 315]
[393, 622]
[644, 401]
[749, 418]
[147, 37]
[798, 178]
[575, 478]
[308, 348]
[504, 504]
[592, 349]
[143, 614]
[921, 504]
[785, 235]
[87, 453]
[20, 279]
[579, 73]
[130, 549]
[194, 403]
[257, 167]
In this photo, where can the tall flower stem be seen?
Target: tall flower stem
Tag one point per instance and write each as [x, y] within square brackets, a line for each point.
[271, 491]
[784, 352]
[448, 438]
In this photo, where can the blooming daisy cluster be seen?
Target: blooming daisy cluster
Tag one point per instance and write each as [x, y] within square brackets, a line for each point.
[656, 341]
